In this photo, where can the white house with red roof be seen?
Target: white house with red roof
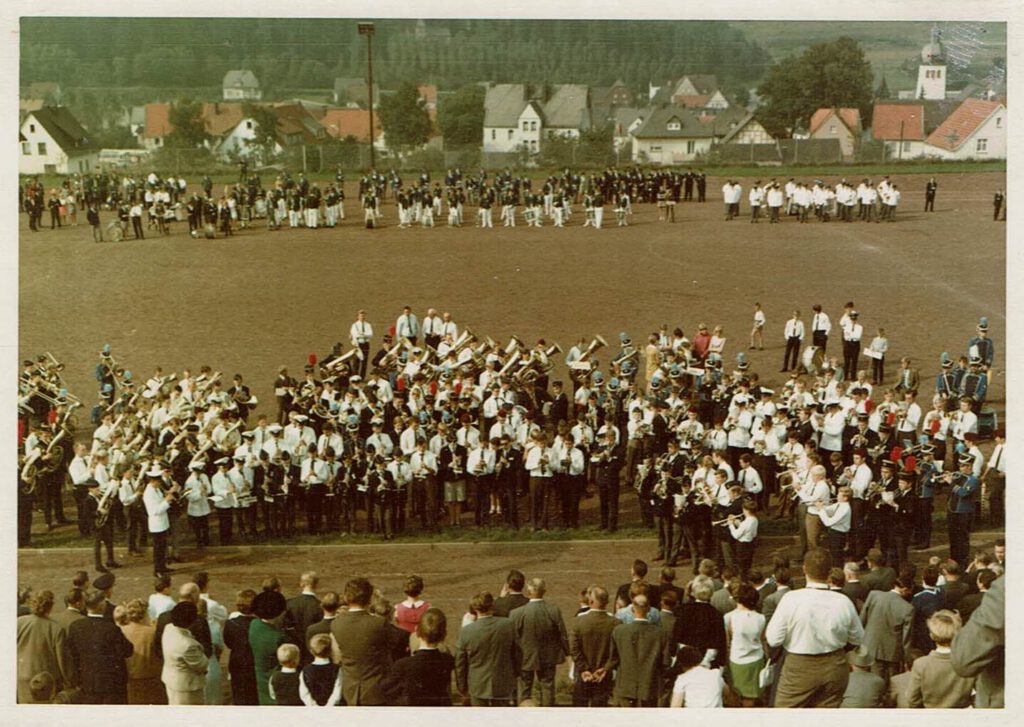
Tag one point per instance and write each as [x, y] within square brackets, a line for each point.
[841, 124]
[900, 127]
[975, 130]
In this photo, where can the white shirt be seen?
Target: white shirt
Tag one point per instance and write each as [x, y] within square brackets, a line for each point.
[700, 687]
[814, 621]
[821, 322]
[836, 516]
[751, 480]
[158, 604]
[156, 509]
[746, 531]
[532, 461]
[474, 459]
[432, 326]
[853, 332]
[361, 332]
[813, 492]
[795, 328]
[746, 628]
[997, 460]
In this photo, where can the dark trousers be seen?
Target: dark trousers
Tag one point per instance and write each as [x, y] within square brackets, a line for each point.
[851, 350]
[666, 536]
[243, 686]
[332, 510]
[630, 702]
[365, 348]
[899, 545]
[545, 676]
[481, 492]
[878, 370]
[608, 493]
[996, 499]
[484, 702]
[923, 508]
[118, 696]
[859, 544]
[224, 515]
[929, 203]
[686, 536]
[159, 552]
[792, 352]
[424, 501]
[137, 528]
[24, 519]
[84, 526]
[200, 529]
[745, 556]
[959, 524]
[539, 487]
[53, 505]
[103, 536]
[592, 694]
[836, 542]
[564, 486]
[315, 509]
[246, 519]
[819, 339]
[137, 228]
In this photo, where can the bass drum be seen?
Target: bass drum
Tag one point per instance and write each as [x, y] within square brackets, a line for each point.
[812, 359]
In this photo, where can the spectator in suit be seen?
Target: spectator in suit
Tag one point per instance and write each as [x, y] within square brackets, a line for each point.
[637, 574]
[700, 625]
[266, 635]
[925, 602]
[301, 612]
[954, 588]
[361, 647]
[398, 639]
[99, 650]
[978, 650]
[722, 599]
[887, 618]
[864, 690]
[854, 587]
[185, 662]
[42, 647]
[144, 666]
[511, 596]
[241, 666]
[667, 582]
[907, 377]
[764, 586]
[968, 604]
[879, 577]
[74, 611]
[200, 628]
[933, 683]
[641, 653]
[329, 605]
[542, 642]
[590, 644]
[424, 679]
[485, 657]
[783, 578]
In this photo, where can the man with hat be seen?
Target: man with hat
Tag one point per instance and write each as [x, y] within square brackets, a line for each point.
[103, 527]
[946, 384]
[974, 384]
[960, 509]
[928, 471]
[224, 500]
[981, 345]
[158, 503]
[361, 333]
[197, 491]
[903, 520]
[284, 387]
[852, 333]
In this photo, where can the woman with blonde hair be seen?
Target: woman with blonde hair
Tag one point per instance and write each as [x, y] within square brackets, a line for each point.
[144, 666]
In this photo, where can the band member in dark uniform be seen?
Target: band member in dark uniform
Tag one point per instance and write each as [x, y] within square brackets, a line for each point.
[608, 460]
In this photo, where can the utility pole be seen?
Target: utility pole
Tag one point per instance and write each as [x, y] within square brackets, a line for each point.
[901, 141]
[367, 29]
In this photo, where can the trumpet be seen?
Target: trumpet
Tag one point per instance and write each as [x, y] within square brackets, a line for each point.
[739, 518]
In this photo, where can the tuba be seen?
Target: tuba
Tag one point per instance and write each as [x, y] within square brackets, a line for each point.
[467, 338]
[514, 344]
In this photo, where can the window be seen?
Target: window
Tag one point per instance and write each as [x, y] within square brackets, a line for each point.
[656, 149]
[906, 146]
[26, 148]
[999, 122]
[32, 128]
[675, 125]
[526, 126]
[938, 73]
[690, 146]
[982, 146]
[832, 130]
[248, 125]
[42, 148]
[533, 145]
[533, 126]
[510, 133]
[494, 134]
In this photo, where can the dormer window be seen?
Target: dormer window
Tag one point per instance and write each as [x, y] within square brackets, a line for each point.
[674, 124]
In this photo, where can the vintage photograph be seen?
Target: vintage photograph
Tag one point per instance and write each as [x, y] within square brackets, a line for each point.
[373, 361]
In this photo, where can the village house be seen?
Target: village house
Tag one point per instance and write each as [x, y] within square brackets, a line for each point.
[838, 123]
[519, 117]
[241, 86]
[52, 141]
[975, 130]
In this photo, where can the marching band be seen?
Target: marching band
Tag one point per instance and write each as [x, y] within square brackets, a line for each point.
[417, 431]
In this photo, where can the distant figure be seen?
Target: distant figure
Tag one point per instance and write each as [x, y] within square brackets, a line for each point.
[929, 195]
[997, 203]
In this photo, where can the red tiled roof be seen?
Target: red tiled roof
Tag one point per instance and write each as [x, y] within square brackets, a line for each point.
[958, 127]
[220, 118]
[691, 101]
[850, 117]
[887, 119]
[158, 120]
[341, 123]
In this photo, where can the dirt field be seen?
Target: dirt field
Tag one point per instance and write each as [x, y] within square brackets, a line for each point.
[263, 299]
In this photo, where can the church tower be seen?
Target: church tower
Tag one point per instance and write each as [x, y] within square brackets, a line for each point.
[931, 74]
